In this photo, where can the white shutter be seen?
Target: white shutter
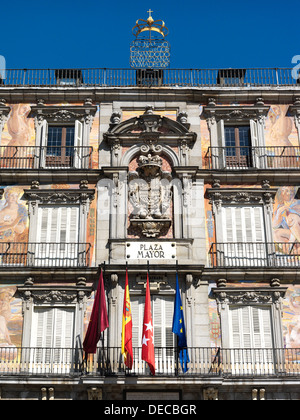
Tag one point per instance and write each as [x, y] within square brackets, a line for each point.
[250, 327]
[57, 226]
[137, 311]
[244, 227]
[243, 224]
[169, 312]
[43, 143]
[221, 143]
[78, 143]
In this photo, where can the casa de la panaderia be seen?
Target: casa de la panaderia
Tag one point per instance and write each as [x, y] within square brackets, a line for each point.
[171, 174]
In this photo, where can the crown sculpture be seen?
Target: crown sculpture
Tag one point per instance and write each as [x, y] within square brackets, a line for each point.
[150, 50]
[150, 25]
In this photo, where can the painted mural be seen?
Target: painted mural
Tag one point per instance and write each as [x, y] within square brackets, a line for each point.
[18, 138]
[11, 319]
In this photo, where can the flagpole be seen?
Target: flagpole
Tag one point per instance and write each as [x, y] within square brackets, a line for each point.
[177, 352]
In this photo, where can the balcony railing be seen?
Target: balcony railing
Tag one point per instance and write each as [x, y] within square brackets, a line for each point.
[269, 157]
[24, 254]
[255, 254]
[130, 77]
[204, 362]
[48, 157]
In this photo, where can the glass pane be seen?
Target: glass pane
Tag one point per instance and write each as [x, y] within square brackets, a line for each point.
[230, 141]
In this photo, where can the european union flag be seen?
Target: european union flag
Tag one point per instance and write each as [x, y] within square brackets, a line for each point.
[179, 329]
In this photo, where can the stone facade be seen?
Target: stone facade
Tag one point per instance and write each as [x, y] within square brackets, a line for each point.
[145, 185]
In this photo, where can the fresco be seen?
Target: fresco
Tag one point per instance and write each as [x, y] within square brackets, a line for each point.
[18, 138]
[11, 319]
[13, 216]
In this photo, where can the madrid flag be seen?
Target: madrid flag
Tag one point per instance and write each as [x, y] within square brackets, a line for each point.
[127, 328]
[148, 333]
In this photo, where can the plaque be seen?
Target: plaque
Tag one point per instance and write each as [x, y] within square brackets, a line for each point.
[151, 250]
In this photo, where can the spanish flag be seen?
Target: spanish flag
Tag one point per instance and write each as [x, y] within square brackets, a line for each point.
[127, 327]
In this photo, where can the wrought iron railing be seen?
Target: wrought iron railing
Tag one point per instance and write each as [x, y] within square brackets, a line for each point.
[34, 254]
[147, 78]
[268, 157]
[204, 362]
[255, 254]
[45, 157]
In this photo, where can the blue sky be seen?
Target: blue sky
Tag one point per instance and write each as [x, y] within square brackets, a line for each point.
[203, 34]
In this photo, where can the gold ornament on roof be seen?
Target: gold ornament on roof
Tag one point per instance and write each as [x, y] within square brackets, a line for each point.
[150, 25]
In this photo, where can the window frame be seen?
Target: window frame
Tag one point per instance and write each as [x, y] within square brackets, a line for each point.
[267, 297]
[81, 117]
[252, 115]
[44, 197]
[73, 298]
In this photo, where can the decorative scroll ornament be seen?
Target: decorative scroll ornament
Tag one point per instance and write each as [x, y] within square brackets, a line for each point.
[150, 193]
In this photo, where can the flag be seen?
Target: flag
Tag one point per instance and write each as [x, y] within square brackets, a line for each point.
[127, 327]
[179, 329]
[98, 321]
[148, 333]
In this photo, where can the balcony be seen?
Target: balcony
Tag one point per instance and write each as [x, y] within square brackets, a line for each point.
[76, 78]
[205, 362]
[255, 254]
[56, 255]
[52, 157]
[243, 158]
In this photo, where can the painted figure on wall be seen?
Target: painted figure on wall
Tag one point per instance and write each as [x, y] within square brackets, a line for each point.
[286, 218]
[13, 216]
[6, 297]
[291, 317]
[281, 138]
[18, 125]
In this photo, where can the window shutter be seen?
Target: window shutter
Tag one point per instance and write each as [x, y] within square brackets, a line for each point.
[221, 143]
[137, 311]
[169, 311]
[52, 328]
[58, 226]
[250, 327]
[43, 143]
[78, 143]
[157, 321]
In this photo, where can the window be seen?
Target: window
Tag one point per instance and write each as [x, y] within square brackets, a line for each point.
[63, 132]
[162, 314]
[61, 145]
[252, 333]
[243, 235]
[58, 223]
[250, 327]
[251, 338]
[52, 338]
[237, 134]
[238, 146]
[57, 236]
[243, 220]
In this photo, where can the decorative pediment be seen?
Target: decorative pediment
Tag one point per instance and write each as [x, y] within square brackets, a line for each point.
[235, 113]
[63, 114]
[249, 296]
[222, 196]
[149, 125]
[82, 196]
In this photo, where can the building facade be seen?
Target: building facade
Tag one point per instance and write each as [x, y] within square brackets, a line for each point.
[188, 171]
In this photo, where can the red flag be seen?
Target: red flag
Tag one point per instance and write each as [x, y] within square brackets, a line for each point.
[147, 343]
[127, 327]
[99, 319]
